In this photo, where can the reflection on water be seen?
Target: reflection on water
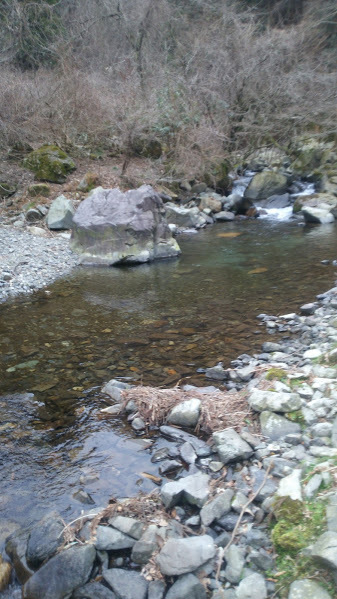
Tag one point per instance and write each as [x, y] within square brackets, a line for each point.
[154, 324]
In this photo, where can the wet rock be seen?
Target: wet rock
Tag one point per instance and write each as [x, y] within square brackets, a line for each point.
[186, 413]
[218, 507]
[49, 163]
[273, 401]
[325, 550]
[193, 489]
[308, 309]
[62, 574]
[230, 446]
[60, 214]
[235, 561]
[224, 216]
[44, 540]
[252, 587]
[217, 373]
[129, 526]
[16, 547]
[93, 590]
[187, 453]
[126, 584]
[276, 427]
[317, 215]
[200, 447]
[181, 556]
[112, 227]
[83, 497]
[138, 424]
[265, 184]
[187, 586]
[307, 589]
[168, 466]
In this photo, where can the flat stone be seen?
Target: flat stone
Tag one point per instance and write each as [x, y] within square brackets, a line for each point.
[252, 587]
[126, 583]
[224, 216]
[62, 574]
[235, 561]
[187, 586]
[290, 486]
[93, 590]
[308, 309]
[167, 466]
[200, 447]
[230, 446]
[187, 453]
[274, 402]
[111, 539]
[217, 507]
[312, 354]
[194, 489]
[186, 413]
[129, 526]
[325, 550]
[181, 556]
[276, 427]
[307, 589]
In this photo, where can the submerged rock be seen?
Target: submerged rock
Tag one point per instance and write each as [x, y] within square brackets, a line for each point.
[111, 227]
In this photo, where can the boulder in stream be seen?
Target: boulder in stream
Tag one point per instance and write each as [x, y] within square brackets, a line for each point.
[112, 227]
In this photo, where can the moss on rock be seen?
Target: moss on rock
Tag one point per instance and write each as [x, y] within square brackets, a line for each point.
[217, 177]
[39, 189]
[49, 163]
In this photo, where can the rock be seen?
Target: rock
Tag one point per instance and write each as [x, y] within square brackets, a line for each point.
[235, 561]
[334, 433]
[138, 424]
[62, 574]
[274, 402]
[7, 189]
[324, 550]
[114, 389]
[187, 586]
[209, 202]
[200, 447]
[217, 507]
[216, 372]
[308, 309]
[126, 583]
[129, 526]
[168, 466]
[186, 218]
[230, 446]
[270, 347]
[307, 589]
[44, 540]
[276, 201]
[187, 453]
[224, 216]
[89, 182]
[252, 587]
[218, 177]
[16, 546]
[83, 497]
[49, 163]
[33, 215]
[157, 589]
[111, 539]
[60, 215]
[194, 489]
[5, 574]
[331, 513]
[149, 147]
[39, 189]
[186, 413]
[268, 489]
[317, 215]
[145, 546]
[112, 227]
[290, 486]
[93, 590]
[181, 556]
[38, 231]
[313, 485]
[276, 427]
[265, 184]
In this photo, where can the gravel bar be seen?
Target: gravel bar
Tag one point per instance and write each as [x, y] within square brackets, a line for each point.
[29, 262]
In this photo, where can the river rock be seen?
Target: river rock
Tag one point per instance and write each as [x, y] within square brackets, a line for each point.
[93, 590]
[317, 215]
[62, 574]
[146, 545]
[49, 163]
[325, 550]
[111, 539]
[252, 587]
[187, 453]
[276, 201]
[274, 402]
[218, 507]
[187, 586]
[194, 489]
[181, 556]
[224, 216]
[276, 427]
[60, 214]
[112, 227]
[156, 590]
[230, 446]
[200, 447]
[307, 589]
[331, 513]
[126, 584]
[210, 202]
[217, 373]
[265, 184]
[114, 389]
[44, 540]
[129, 526]
[186, 218]
[16, 547]
[186, 413]
[235, 561]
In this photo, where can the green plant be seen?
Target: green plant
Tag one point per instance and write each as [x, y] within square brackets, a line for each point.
[276, 374]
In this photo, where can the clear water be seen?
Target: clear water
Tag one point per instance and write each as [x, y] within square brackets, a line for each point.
[153, 324]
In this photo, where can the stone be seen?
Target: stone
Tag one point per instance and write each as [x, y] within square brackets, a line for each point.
[252, 587]
[224, 216]
[186, 218]
[290, 486]
[181, 556]
[44, 539]
[273, 401]
[112, 227]
[114, 389]
[331, 513]
[217, 373]
[168, 466]
[200, 447]
[258, 476]
[129, 526]
[270, 347]
[324, 550]
[187, 586]
[276, 427]
[234, 557]
[313, 485]
[60, 214]
[187, 453]
[317, 215]
[193, 489]
[312, 354]
[308, 309]
[39, 189]
[208, 201]
[89, 182]
[265, 184]
[186, 413]
[334, 433]
[230, 446]
[49, 163]
[16, 547]
[156, 590]
[276, 201]
[257, 538]
[62, 574]
[111, 539]
[93, 590]
[217, 507]
[307, 589]
[7, 189]
[280, 467]
[33, 215]
[146, 545]
[126, 583]
[138, 424]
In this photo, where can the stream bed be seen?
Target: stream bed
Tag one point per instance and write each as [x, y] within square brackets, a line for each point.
[153, 324]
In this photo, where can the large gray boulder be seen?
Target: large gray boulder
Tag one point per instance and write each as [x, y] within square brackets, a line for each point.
[60, 214]
[266, 184]
[112, 227]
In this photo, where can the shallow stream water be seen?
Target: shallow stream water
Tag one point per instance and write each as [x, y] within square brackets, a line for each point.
[154, 324]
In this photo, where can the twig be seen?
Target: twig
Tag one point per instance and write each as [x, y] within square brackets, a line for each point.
[243, 509]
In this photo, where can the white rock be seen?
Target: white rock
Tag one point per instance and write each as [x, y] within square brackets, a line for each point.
[290, 486]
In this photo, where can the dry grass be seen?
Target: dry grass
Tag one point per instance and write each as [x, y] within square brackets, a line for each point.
[218, 410]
